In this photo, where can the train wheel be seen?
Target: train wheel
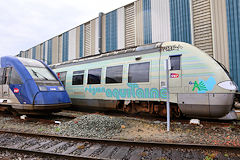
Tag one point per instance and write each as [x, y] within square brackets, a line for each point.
[177, 112]
[13, 111]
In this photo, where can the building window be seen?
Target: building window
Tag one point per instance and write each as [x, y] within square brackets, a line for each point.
[175, 62]
[114, 74]
[94, 76]
[138, 72]
[77, 78]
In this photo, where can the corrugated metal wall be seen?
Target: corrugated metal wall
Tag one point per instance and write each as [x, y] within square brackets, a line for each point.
[160, 21]
[180, 21]
[139, 22]
[219, 31]
[111, 31]
[38, 53]
[103, 33]
[147, 22]
[60, 48]
[87, 39]
[65, 46]
[42, 51]
[120, 28]
[96, 36]
[33, 53]
[72, 44]
[77, 42]
[54, 50]
[46, 52]
[81, 49]
[29, 53]
[202, 26]
[93, 38]
[24, 54]
[130, 25]
[233, 23]
[49, 52]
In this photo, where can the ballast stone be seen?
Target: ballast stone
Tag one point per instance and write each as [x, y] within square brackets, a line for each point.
[92, 125]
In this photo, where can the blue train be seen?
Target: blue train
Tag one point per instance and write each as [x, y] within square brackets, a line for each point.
[29, 86]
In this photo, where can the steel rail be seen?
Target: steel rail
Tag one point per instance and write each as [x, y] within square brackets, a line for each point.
[185, 145]
[108, 142]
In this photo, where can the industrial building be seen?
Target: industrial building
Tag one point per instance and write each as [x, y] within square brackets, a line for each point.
[211, 25]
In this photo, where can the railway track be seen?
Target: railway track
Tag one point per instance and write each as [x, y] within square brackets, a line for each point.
[74, 148]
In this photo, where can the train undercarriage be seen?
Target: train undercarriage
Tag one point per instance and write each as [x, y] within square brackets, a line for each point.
[157, 108]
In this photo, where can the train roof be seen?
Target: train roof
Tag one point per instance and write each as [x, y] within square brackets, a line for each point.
[95, 58]
[11, 60]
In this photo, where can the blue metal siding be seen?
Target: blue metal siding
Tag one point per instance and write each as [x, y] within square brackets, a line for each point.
[81, 42]
[65, 47]
[147, 22]
[49, 54]
[180, 20]
[111, 31]
[233, 23]
[34, 53]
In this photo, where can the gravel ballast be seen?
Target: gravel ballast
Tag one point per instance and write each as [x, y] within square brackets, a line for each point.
[92, 125]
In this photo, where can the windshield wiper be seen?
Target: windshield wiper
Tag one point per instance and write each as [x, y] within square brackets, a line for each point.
[34, 72]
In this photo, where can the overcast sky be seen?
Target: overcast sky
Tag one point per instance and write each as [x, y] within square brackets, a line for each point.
[26, 23]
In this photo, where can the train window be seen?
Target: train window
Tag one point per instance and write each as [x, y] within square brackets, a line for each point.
[77, 78]
[62, 77]
[14, 77]
[138, 72]
[2, 76]
[175, 62]
[114, 74]
[94, 76]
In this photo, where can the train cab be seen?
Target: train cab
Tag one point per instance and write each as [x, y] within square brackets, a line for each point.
[29, 86]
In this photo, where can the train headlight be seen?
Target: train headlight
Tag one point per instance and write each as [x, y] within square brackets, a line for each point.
[60, 88]
[42, 88]
[229, 85]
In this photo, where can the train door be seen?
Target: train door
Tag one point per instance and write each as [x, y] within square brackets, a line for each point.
[175, 72]
[6, 79]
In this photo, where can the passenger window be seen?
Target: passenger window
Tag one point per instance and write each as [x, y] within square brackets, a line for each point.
[78, 77]
[94, 76]
[6, 75]
[114, 74]
[2, 76]
[175, 62]
[62, 77]
[14, 77]
[138, 72]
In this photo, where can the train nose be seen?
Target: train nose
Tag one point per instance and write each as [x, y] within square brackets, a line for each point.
[206, 105]
[51, 98]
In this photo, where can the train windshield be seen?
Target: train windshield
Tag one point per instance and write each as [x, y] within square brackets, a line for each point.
[40, 73]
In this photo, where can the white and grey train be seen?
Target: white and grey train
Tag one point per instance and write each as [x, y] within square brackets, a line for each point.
[134, 80]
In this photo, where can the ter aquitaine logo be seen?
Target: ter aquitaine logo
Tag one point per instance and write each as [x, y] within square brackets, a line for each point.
[202, 86]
